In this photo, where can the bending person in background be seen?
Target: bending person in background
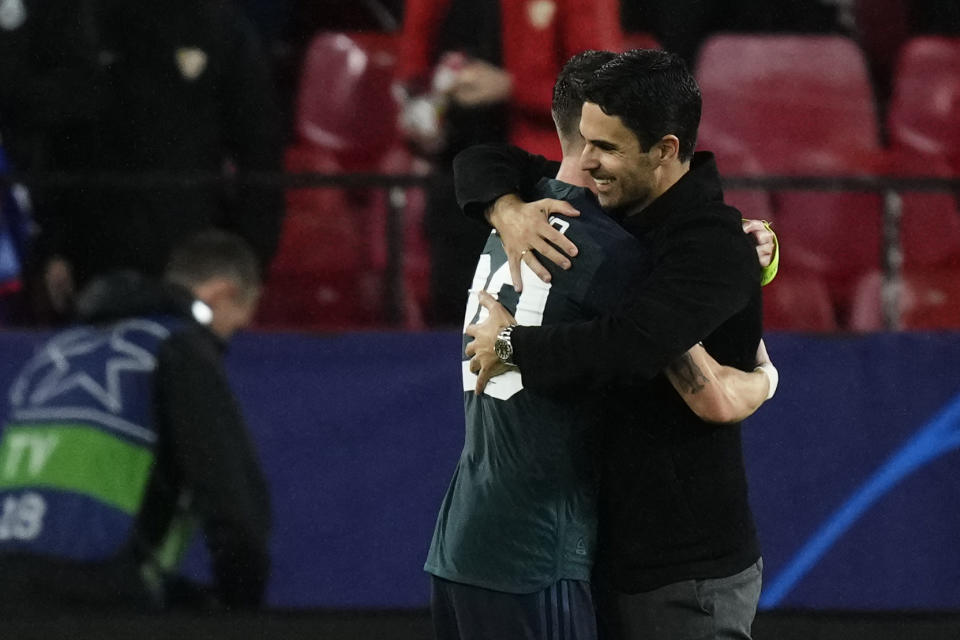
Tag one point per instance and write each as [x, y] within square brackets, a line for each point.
[513, 548]
[124, 437]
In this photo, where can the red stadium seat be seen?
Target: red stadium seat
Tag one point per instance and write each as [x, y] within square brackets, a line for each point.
[345, 103]
[330, 271]
[323, 276]
[924, 111]
[801, 105]
[928, 299]
[752, 203]
[797, 302]
[930, 221]
[791, 101]
[930, 231]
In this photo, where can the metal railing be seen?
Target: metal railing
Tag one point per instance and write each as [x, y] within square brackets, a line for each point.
[889, 188]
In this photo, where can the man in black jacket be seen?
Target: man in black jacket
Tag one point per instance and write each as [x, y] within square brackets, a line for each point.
[123, 437]
[166, 96]
[677, 555]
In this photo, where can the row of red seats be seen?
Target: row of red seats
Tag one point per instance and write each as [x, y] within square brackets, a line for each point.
[803, 105]
[330, 268]
[772, 105]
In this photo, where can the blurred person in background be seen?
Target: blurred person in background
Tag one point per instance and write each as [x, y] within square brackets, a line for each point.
[940, 17]
[130, 87]
[482, 71]
[123, 436]
[681, 26]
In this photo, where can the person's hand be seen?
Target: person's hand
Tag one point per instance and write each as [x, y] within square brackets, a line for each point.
[483, 359]
[58, 284]
[523, 229]
[766, 241]
[481, 83]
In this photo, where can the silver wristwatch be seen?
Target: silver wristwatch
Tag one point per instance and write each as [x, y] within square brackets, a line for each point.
[502, 345]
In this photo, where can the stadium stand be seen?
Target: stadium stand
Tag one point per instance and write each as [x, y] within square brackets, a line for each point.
[798, 303]
[800, 105]
[927, 299]
[330, 268]
[925, 106]
[923, 125]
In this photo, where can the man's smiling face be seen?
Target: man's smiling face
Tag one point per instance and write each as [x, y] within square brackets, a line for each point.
[627, 177]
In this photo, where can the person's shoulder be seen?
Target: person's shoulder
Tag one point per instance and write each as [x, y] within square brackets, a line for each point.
[714, 217]
[192, 342]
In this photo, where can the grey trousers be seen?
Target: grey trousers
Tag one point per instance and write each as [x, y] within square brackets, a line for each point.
[715, 609]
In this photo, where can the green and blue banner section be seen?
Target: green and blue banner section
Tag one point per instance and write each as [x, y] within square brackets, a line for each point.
[854, 466]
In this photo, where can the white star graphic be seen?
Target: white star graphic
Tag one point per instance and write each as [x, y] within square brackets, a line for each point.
[62, 377]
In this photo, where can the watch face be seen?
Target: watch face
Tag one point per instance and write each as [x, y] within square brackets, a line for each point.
[503, 349]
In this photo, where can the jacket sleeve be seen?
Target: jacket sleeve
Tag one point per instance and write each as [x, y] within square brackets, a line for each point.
[253, 131]
[484, 172]
[217, 466]
[422, 19]
[580, 25]
[704, 276]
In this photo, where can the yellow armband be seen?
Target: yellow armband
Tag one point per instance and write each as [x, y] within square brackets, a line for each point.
[770, 271]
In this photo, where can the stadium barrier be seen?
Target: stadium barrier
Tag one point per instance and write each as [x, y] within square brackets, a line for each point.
[889, 187]
[416, 625]
[852, 466]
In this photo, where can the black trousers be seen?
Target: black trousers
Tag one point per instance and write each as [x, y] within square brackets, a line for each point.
[562, 611]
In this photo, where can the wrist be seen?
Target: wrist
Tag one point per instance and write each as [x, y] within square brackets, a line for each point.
[501, 208]
[773, 377]
[503, 345]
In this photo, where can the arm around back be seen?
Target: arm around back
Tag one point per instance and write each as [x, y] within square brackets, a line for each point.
[705, 272]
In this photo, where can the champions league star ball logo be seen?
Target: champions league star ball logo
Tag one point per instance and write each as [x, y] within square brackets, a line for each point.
[82, 365]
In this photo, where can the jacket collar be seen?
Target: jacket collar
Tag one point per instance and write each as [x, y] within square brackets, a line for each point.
[699, 185]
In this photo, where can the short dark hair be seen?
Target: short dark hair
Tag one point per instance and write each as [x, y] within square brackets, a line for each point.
[653, 93]
[567, 97]
[211, 254]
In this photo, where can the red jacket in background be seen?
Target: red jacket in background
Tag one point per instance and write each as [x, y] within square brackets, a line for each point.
[538, 36]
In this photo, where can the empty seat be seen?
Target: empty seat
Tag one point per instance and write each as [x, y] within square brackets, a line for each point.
[322, 276]
[928, 299]
[752, 203]
[924, 110]
[793, 102]
[331, 265]
[798, 302]
[345, 103]
[930, 231]
[800, 105]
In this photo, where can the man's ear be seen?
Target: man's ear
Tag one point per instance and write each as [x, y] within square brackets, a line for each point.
[668, 148]
[216, 290]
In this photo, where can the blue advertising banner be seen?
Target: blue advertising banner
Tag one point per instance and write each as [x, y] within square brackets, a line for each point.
[853, 466]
